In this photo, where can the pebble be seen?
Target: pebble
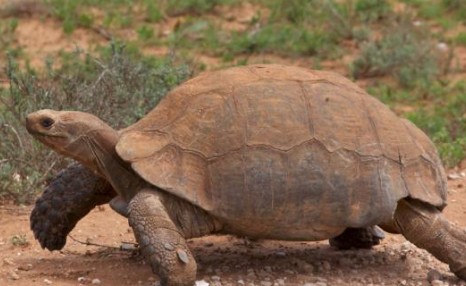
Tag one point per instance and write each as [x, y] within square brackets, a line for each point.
[26, 267]
[266, 283]
[280, 253]
[280, 282]
[326, 266]
[47, 281]
[202, 283]
[453, 176]
[7, 261]
[443, 47]
[436, 283]
[433, 275]
[14, 275]
[215, 278]
[96, 281]
[81, 279]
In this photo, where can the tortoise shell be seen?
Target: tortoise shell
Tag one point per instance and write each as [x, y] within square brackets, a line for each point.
[273, 145]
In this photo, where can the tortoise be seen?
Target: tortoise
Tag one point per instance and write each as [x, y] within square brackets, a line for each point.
[261, 151]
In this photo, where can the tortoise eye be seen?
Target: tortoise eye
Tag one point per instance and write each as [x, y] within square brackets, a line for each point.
[46, 122]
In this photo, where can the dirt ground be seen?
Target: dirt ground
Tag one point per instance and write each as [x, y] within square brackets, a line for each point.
[222, 260]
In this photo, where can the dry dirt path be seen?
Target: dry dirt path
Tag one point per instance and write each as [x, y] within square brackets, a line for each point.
[222, 260]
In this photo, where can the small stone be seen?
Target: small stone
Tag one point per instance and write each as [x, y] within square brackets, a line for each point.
[96, 281]
[26, 267]
[128, 246]
[266, 283]
[280, 282]
[280, 253]
[202, 283]
[47, 281]
[215, 278]
[81, 279]
[434, 275]
[453, 176]
[326, 266]
[13, 275]
[443, 47]
[403, 282]
[436, 283]
[7, 261]
[241, 282]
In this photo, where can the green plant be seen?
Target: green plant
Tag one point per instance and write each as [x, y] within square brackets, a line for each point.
[145, 33]
[7, 30]
[444, 120]
[405, 52]
[69, 12]
[372, 10]
[116, 86]
[461, 39]
[458, 7]
[282, 39]
[180, 7]
[19, 240]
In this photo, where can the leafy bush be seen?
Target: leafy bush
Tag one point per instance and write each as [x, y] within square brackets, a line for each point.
[118, 87]
[445, 122]
[405, 52]
[178, 7]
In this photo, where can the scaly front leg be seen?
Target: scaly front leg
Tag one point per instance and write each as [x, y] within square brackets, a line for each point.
[161, 241]
[71, 195]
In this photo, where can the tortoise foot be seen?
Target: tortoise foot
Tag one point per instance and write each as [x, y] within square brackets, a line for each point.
[160, 241]
[358, 238]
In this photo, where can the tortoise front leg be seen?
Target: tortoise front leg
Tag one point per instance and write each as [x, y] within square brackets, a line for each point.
[426, 227]
[161, 241]
[72, 194]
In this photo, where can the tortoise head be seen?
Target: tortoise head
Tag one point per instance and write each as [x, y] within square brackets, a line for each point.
[79, 135]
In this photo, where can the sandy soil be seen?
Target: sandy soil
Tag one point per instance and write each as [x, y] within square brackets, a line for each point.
[222, 260]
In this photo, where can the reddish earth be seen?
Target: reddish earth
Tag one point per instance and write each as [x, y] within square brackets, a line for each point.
[222, 260]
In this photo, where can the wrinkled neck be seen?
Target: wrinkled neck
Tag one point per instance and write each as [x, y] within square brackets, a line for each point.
[103, 159]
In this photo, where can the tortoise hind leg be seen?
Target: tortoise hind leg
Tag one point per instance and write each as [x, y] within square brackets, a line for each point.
[425, 226]
[358, 238]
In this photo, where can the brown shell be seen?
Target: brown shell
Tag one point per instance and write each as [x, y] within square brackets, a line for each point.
[284, 144]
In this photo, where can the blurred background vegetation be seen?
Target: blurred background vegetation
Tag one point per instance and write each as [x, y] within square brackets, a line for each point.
[117, 58]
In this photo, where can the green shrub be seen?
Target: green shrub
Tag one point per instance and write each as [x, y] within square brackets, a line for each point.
[404, 52]
[117, 86]
[444, 120]
[179, 7]
[282, 39]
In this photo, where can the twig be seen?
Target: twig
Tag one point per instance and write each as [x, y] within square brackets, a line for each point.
[90, 243]
[135, 245]
[21, 146]
[103, 32]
